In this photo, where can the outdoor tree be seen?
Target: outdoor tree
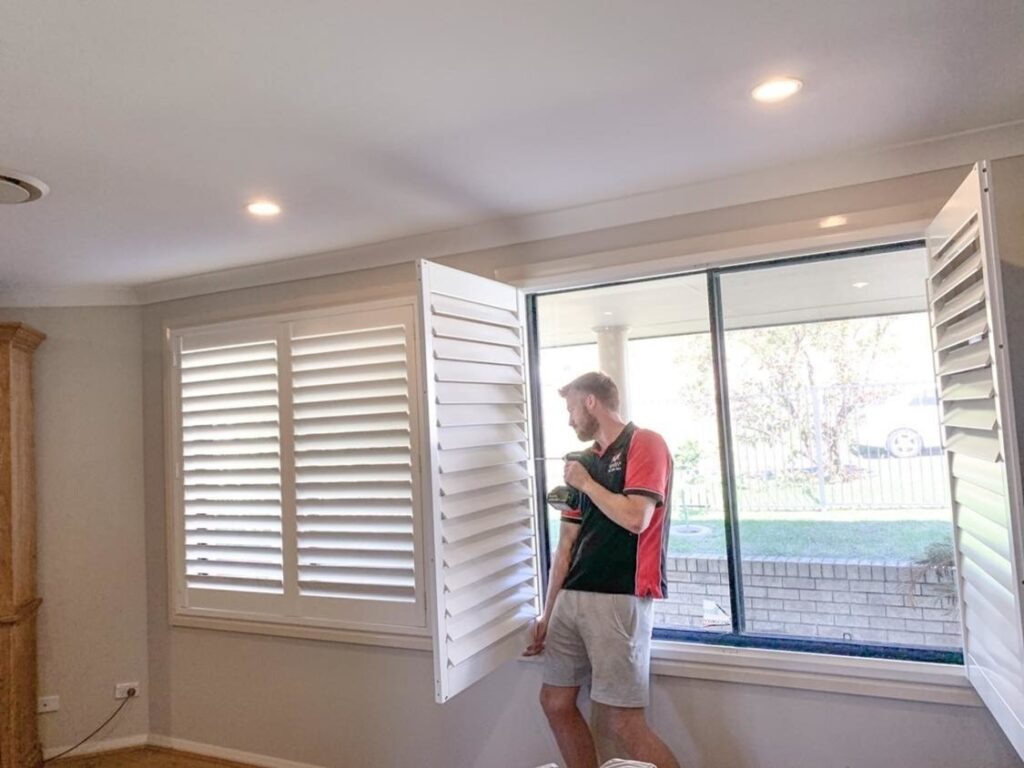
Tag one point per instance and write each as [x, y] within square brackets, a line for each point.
[804, 385]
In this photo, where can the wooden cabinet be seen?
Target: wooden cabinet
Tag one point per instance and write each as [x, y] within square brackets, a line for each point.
[19, 602]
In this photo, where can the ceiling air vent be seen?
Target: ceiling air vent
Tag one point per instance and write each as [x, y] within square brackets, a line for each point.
[18, 188]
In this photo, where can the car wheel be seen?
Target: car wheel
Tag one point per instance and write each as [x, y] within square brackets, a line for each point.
[904, 443]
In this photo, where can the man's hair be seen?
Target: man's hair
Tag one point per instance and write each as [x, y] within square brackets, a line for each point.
[595, 383]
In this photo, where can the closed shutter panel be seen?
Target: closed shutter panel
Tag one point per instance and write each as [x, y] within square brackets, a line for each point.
[968, 332]
[296, 484]
[230, 471]
[480, 475]
[353, 421]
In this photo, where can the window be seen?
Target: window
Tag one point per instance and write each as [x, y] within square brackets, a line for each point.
[297, 493]
[826, 523]
[364, 472]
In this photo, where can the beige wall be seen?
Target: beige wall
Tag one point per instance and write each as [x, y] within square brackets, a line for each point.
[92, 626]
[341, 705]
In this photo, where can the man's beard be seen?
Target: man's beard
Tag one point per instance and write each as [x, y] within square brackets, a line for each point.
[587, 429]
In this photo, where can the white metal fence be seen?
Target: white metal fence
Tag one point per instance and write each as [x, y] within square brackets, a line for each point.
[868, 447]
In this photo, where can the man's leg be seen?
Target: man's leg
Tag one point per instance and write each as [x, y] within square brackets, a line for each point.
[607, 745]
[569, 726]
[628, 727]
[618, 631]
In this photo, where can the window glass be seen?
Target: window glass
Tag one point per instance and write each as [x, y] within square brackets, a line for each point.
[843, 508]
[654, 338]
[841, 503]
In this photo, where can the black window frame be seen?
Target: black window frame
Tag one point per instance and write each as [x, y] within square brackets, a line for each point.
[737, 637]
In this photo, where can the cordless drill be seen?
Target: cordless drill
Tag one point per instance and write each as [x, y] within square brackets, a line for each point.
[564, 497]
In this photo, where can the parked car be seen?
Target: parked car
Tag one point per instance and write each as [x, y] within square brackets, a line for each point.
[902, 427]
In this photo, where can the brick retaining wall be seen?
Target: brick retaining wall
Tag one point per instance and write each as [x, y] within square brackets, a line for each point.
[891, 602]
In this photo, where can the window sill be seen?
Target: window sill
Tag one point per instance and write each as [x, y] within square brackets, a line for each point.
[417, 642]
[880, 678]
[884, 678]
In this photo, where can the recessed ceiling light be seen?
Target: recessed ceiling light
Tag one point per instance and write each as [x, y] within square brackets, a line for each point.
[16, 188]
[860, 285]
[263, 208]
[832, 221]
[609, 313]
[777, 89]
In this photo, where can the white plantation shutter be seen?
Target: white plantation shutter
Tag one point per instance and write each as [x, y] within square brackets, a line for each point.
[969, 338]
[230, 469]
[296, 486]
[353, 417]
[479, 472]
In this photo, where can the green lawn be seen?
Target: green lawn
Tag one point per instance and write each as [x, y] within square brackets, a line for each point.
[891, 539]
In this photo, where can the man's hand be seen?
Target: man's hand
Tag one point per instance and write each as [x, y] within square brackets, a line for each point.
[540, 632]
[576, 475]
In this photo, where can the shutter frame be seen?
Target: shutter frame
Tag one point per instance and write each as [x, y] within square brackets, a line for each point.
[212, 359]
[377, 620]
[482, 535]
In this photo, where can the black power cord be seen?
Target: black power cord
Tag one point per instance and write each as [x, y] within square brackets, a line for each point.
[132, 693]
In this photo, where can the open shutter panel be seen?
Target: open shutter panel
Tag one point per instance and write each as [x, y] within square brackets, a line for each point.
[479, 469]
[230, 467]
[353, 420]
[968, 335]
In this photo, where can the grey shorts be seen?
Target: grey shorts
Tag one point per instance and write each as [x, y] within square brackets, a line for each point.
[604, 639]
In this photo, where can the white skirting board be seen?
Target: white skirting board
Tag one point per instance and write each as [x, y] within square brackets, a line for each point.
[105, 745]
[208, 750]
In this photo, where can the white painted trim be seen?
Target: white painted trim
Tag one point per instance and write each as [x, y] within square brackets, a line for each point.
[224, 753]
[415, 638]
[105, 745]
[68, 296]
[814, 175]
[882, 678]
[850, 675]
[660, 259]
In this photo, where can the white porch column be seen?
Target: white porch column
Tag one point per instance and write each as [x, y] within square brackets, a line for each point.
[613, 358]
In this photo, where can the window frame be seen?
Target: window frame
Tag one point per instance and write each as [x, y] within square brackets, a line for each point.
[413, 635]
[734, 640]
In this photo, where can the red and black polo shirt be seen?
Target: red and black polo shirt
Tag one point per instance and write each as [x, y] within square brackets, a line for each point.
[605, 556]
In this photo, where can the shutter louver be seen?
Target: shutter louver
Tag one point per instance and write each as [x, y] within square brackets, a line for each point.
[353, 420]
[973, 383]
[481, 475]
[353, 481]
[230, 467]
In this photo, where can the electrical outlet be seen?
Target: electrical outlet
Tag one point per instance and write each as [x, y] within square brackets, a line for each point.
[126, 690]
[48, 704]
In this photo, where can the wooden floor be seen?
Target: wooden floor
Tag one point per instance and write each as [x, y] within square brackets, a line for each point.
[145, 757]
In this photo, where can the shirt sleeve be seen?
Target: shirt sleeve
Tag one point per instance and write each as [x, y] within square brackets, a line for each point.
[648, 466]
[572, 516]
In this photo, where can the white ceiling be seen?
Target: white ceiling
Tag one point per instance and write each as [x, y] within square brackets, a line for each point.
[153, 123]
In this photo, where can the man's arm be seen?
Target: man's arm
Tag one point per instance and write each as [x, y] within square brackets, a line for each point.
[559, 568]
[633, 512]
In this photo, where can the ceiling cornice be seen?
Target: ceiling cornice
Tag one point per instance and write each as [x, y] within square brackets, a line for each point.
[83, 296]
[799, 178]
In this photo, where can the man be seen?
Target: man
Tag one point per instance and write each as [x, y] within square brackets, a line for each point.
[606, 571]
